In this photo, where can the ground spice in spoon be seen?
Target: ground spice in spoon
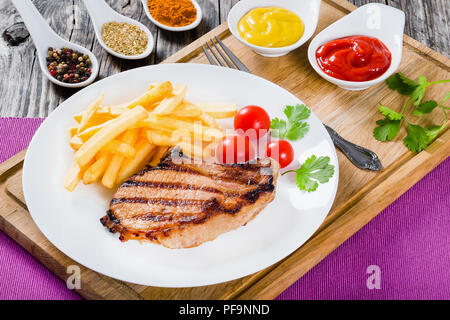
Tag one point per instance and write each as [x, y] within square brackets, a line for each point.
[173, 13]
[124, 38]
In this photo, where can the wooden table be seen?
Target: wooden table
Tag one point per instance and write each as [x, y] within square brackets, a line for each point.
[25, 92]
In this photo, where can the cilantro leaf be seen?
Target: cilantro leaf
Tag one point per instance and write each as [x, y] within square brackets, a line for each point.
[422, 80]
[312, 172]
[425, 107]
[401, 84]
[389, 113]
[297, 131]
[297, 113]
[433, 131]
[417, 139]
[387, 129]
[418, 94]
[278, 128]
[294, 128]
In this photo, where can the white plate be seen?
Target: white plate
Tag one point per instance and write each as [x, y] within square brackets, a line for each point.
[71, 220]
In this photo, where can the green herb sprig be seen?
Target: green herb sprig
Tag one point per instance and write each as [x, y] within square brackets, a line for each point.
[294, 128]
[312, 172]
[418, 137]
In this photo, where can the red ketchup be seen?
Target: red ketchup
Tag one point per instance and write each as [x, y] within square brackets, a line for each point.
[354, 58]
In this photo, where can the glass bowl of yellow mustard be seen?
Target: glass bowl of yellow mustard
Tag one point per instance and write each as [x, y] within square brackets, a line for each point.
[273, 28]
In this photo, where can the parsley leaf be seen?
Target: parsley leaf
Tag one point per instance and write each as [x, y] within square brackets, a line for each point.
[294, 128]
[297, 113]
[387, 129]
[297, 131]
[425, 107]
[278, 128]
[417, 139]
[401, 84]
[433, 131]
[418, 94]
[312, 172]
[389, 113]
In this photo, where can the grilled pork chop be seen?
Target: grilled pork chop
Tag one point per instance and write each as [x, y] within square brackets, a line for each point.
[182, 205]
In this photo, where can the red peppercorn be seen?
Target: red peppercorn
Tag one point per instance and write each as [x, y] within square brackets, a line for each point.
[53, 73]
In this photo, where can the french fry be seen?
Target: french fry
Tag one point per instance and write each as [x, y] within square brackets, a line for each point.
[187, 111]
[96, 170]
[156, 159]
[89, 132]
[130, 137]
[171, 124]
[171, 102]
[107, 133]
[89, 113]
[154, 94]
[120, 148]
[79, 116]
[218, 110]
[181, 135]
[153, 85]
[159, 138]
[114, 111]
[110, 176]
[73, 177]
[209, 121]
[76, 142]
[132, 165]
[73, 131]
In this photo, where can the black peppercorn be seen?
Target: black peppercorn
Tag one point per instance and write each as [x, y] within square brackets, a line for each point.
[67, 65]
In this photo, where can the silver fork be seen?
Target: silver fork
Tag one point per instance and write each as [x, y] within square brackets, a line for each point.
[359, 156]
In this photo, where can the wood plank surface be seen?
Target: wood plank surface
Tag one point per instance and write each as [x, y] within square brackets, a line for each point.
[26, 92]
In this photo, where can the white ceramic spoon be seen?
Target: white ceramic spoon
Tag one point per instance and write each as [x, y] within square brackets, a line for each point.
[307, 10]
[375, 20]
[44, 37]
[183, 28]
[101, 13]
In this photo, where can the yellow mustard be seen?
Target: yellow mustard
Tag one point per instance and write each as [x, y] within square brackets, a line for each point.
[272, 27]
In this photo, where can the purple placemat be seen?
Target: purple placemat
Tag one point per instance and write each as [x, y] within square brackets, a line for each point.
[404, 251]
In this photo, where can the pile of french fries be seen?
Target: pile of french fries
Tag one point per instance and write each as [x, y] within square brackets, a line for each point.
[111, 143]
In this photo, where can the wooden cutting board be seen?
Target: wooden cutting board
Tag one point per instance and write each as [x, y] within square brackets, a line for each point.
[360, 197]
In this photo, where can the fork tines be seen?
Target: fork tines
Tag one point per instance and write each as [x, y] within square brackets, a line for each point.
[227, 57]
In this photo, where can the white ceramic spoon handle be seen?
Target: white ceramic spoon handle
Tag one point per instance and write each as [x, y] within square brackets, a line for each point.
[40, 31]
[99, 11]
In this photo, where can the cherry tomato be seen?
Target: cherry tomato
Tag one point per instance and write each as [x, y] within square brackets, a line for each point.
[235, 149]
[252, 121]
[281, 151]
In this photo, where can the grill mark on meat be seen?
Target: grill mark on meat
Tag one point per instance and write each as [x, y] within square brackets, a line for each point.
[161, 201]
[233, 175]
[168, 185]
[167, 166]
[185, 218]
[211, 204]
[253, 196]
